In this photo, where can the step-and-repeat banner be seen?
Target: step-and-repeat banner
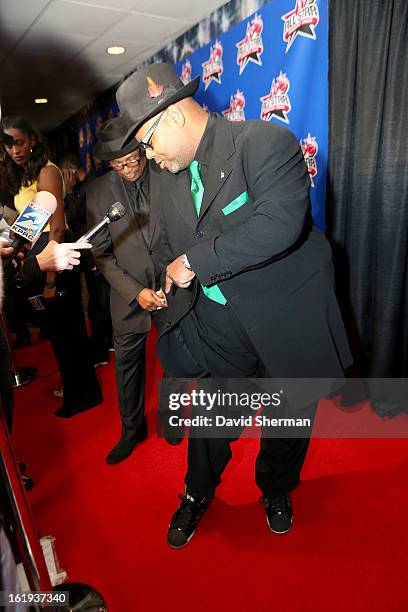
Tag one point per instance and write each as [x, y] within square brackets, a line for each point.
[272, 66]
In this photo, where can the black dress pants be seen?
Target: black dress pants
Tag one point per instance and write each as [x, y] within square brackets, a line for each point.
[220, 345]
[64, 323]
[130, 363]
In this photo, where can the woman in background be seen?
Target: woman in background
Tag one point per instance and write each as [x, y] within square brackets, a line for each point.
[29, 170]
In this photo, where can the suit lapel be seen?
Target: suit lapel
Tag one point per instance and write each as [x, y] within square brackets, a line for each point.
[220, 167]
[177, 192]
[218, 172]
[155, 194]
[120, 193]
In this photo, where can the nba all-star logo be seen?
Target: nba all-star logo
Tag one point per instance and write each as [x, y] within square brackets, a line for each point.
[186, 72]
[301, 21]
[250, 48]
[309, 149]
[277, 103]
[235, 112]
[213, 67]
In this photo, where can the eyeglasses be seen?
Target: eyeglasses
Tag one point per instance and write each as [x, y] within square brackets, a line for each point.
[131, 163]
[145, 142]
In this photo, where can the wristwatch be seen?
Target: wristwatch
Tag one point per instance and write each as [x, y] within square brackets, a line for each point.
[186, 263]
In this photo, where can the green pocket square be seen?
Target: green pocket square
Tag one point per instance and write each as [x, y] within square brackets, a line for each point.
[237, 203]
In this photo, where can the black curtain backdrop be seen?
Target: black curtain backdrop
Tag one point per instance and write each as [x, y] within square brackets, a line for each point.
[368, 179]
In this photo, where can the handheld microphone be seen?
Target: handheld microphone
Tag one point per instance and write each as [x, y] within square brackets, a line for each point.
[115, 212]
[30, 223]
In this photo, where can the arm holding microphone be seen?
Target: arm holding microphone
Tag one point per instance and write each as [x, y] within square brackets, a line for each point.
[29, 276]
[55, 257]
[26, 230]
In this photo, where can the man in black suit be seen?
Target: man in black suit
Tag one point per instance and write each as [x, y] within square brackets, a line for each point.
[250, 283]
[123, 253]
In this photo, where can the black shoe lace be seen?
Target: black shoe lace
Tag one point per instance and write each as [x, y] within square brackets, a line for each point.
[278, 504]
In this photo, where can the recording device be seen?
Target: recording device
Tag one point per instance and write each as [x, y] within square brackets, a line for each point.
[28, 226]
[115, 212]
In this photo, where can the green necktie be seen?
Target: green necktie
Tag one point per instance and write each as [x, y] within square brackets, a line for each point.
[197, 191]
[197, 187]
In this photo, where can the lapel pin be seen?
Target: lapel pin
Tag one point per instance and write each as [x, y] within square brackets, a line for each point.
[222, 174]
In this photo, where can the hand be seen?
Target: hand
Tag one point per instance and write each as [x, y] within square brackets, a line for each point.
[150, 300]
[70, 180]
[56, 257]
[6, 250]
[177, 273]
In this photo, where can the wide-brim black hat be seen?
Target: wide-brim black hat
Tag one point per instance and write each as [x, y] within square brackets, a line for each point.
[148, 91]
[111, 136]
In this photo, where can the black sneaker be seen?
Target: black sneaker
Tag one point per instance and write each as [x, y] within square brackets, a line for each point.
[186, 518]
[279, 513]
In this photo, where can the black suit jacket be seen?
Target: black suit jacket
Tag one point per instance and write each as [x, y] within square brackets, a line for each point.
[121, 252]
[252, 239]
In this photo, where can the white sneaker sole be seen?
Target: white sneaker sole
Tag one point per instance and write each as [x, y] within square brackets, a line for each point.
[183, 545]
[280, 532]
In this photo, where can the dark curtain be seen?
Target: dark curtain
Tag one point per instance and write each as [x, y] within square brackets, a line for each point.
[368, 178]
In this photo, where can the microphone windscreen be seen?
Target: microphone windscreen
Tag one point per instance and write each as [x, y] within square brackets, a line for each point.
[46, 200]
[31, 221]
[116, 211]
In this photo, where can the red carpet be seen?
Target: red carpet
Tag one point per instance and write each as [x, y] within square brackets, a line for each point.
[347, 550]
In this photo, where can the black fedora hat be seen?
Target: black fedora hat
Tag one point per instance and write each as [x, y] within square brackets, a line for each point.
[148, 91]
[111, 136]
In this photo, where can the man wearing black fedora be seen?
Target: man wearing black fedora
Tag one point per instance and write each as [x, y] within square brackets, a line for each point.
[248, 281]
[123, 253]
